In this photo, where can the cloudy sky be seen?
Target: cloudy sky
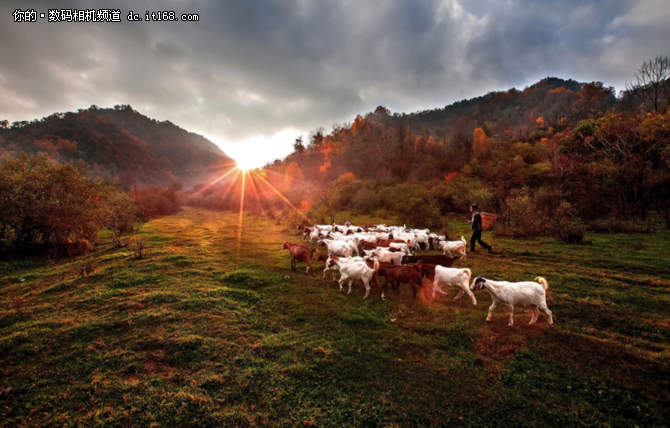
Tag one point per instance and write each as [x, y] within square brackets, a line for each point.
[257, 73]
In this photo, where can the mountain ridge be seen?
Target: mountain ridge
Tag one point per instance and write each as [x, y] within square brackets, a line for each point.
[117, 143]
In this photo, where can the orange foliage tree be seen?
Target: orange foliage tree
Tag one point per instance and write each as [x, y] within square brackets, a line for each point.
[293, 173]
[481, 144]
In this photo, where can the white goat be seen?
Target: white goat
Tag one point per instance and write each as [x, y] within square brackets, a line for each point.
[401, 246]
[382, 235]
[335, 268]
[356, 270]
[422, 238]
[516, 293]
[339, 248]
[314, 235]
[350, 238]
[434, 240]
[450, 247]
[410, 238]
[454, 277]
[386, 256]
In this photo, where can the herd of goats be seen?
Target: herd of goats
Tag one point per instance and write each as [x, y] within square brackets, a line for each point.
[386, 251]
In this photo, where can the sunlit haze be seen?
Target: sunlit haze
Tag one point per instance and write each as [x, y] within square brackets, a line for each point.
[257, 151]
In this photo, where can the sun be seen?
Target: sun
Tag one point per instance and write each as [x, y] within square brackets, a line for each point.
[246, 158]
[246, 161]
[245, 164]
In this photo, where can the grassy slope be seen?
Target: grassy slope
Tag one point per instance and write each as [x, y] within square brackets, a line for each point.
[189, 336]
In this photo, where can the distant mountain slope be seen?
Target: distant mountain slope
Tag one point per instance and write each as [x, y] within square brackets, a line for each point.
[118, 143]
[552, 98]
[424, 145]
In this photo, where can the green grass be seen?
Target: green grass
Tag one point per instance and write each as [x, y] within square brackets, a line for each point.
[192, 336]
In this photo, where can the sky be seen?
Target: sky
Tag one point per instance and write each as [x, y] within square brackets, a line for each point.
[252, 75]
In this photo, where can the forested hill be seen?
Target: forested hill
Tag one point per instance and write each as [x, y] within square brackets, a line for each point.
[117, 143]
[427, 144]
[552, 98]
[557, 146]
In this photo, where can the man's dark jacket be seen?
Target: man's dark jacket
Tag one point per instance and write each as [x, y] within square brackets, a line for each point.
[476, 221]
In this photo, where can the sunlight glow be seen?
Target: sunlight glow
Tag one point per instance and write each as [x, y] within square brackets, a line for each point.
[282, 196]
[254, 152]
[236, 179]
[217, 180]
[239, 224]
[245, 164]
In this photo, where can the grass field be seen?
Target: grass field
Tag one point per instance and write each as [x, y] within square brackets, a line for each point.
[192, 336]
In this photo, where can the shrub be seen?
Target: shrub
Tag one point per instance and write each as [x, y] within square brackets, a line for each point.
[126, 217]
[521, 216]
[49, 205]
[572, 233]
[413, 203]
[419, 212]
[458, 193]
[139, 249]
[542, 212]
[364, 201]
[156, 201]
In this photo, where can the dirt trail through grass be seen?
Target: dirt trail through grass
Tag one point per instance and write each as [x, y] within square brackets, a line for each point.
[192, 336]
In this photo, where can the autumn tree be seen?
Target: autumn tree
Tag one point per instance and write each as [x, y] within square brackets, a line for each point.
[298, 147]
[316, 137]
[594, 99]
[128, 181]
[651, 84]
[481, 144]
[293, 173]
[462, 133]
[556, 106]
[384, 152]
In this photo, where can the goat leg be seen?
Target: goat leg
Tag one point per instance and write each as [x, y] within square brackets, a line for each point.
[491, 308]
[511, 315]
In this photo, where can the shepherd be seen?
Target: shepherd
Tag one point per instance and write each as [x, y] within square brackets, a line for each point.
[477, 230]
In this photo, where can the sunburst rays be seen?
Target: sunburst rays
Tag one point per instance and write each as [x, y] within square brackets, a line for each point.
[247, 181]
[241, 219]
[278, 193]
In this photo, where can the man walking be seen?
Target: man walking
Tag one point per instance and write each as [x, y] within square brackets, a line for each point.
[477, 230]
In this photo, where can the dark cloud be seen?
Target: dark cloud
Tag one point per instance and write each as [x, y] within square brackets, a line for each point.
[257, 67]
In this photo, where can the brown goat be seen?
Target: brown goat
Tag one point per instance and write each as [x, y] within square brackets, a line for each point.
[383, 270]
[433, 260]
[386, 242]
[365, 245]
[399, 274]
[300, 254]
[427, 271]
